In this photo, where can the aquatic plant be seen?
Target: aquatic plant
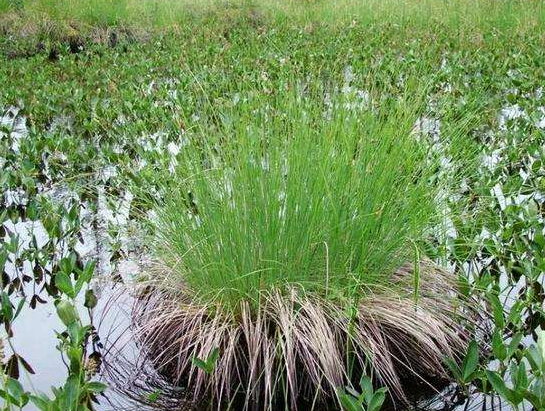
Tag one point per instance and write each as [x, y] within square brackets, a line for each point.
[79, 392]
[287, 239]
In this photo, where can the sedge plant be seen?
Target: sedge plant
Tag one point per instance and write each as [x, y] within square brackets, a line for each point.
[285, 240]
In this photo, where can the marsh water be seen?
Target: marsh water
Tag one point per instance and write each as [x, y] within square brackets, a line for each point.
[34, 331]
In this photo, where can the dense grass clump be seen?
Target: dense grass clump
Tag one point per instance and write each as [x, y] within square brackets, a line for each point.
[318, 196]
[282, 240]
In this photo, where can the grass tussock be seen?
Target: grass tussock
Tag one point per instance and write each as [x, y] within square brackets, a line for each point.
[297, 348]
[282, 238]
[330, 196]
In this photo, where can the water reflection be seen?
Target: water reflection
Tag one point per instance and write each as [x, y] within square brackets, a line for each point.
[134, 383]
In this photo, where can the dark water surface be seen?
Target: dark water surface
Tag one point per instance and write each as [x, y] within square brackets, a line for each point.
[131, 378]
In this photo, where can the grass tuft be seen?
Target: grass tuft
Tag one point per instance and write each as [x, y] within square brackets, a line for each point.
[298, 348]
[285, 237]
[320, 195]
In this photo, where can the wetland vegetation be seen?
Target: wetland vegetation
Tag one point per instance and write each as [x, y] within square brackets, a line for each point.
[282, 205]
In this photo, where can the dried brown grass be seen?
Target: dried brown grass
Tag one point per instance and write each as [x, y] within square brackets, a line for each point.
[299, 347]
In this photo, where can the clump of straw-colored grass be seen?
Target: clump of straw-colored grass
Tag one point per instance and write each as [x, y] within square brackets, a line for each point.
[300, 346]
[282, 240]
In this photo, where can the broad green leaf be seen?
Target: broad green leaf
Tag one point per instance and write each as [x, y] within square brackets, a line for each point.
[15, 389]
[367, 388]
[200, 363]
[96, 387]
[515, 313]
[90, 299]
[88, 270]
[497, 310]
[533, 399]
[513, 344]
[85, 276]
[521, 377]
[349, 403]
[154, 396]
[498, 346]
[9, 399]
[499, 385]
[64, 284]
[66, 312]
[71, 391]
[66, 265]
[471, 361]
[42, 402]
[533, 356]
[377, 400]
[74, 333]
[214, 355]
[7, 309]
